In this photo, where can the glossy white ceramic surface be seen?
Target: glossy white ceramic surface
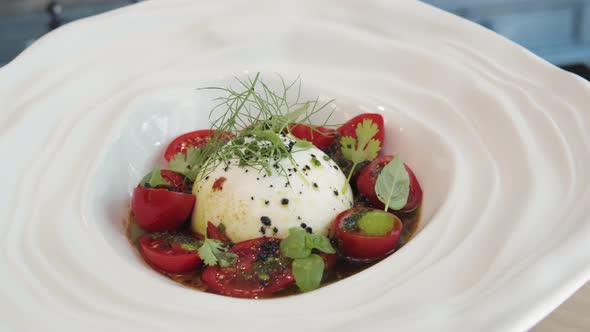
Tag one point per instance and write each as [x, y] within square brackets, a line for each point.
[498, 138]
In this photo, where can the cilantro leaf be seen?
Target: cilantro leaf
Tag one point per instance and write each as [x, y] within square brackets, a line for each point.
[214, 252]
[363, 147]
[185, 163]
[154, 179]
[308, 272]
[393, 185]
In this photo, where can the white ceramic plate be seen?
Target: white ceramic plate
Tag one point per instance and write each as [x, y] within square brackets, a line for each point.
[498, 138]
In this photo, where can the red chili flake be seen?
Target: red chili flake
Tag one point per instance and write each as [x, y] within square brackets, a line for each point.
[218, 184]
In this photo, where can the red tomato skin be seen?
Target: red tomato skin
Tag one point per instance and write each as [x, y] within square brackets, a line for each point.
[321, 140]
[160, 210]
[330, 260]
[356, 245]
[349, 127]
[214, 233]
[194, 138]
[173, 259]
[177, 181]
[367, 178]
[247, 251]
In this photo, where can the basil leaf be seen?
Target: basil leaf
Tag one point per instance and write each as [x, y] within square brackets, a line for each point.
[321, 243]
[295, 245]
[393, 185]
[308, 272]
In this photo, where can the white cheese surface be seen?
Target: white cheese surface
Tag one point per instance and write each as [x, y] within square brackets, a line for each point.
[310, 193]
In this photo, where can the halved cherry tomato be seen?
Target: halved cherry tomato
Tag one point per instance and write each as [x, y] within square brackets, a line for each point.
[194, 138]
[321, 137]
[260, 270]
[330, 260]
[349, 127]
[160, 209]
[166, 254]
[351, 242]
[213, 232]
[367, 178]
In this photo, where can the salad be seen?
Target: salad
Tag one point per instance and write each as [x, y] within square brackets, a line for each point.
[266, 202]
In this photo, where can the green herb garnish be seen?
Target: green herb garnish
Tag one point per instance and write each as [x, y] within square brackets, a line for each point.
[363, 147]
[393, 185]
[308, 272]
[154, 179]
[256, 116]
[308, 268]
[214, 252]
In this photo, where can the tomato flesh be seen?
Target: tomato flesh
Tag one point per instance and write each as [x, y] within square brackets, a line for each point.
[194, 139]
[168, 256]
[365, 183]
[349, 127]
[353, 244]
[242, 279]
[321, 137]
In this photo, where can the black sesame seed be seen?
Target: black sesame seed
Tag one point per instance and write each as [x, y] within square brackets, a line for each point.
[246, 171]
[309, 230]
[275, 230]
[313, 155]
[298, 218]
[262, 230]
[335, 167]
[252, 197]
[284, 201]
[271, 186]
[336, 192]
[257, 179]
[303, 225]
[315, 185]
[207, 177]
[266, 202]
[265, 220]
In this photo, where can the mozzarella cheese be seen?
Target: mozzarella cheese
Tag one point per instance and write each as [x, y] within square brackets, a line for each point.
[250, 203]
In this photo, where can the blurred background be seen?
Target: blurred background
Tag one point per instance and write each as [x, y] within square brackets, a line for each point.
[557, 30]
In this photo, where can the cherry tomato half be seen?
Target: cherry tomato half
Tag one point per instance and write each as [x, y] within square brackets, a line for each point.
[351, 242]
[260, 270]
[213, 232]
[168, 255]
[194, 138]
[367, 178]
[349, 127]
[160, 209]
[321, 137]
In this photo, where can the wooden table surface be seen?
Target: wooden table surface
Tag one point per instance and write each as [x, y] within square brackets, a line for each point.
[572, 316]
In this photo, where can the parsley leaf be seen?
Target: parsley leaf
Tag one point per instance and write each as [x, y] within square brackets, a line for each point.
[214, 252]
[393, 185]
[154, 179]
[308, 272]
[363, 147]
